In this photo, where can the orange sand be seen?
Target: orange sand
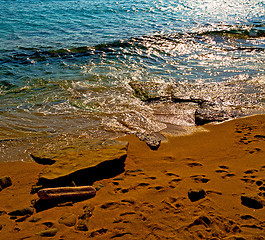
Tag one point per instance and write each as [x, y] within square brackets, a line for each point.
[150, 199]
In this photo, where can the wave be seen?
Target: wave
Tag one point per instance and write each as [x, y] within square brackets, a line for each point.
[158, 41]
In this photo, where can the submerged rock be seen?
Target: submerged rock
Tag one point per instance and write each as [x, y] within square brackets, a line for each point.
[82, 162]
[152, 141]
[203, 116]
[5, 182]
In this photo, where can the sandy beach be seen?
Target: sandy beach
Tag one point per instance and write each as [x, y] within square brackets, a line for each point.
[208, 185]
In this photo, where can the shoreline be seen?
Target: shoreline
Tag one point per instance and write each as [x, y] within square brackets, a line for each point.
[149, 200]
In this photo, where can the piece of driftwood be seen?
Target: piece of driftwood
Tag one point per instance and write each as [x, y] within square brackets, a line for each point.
[66, 192]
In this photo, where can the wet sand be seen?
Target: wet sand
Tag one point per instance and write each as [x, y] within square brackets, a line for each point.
[150, 199]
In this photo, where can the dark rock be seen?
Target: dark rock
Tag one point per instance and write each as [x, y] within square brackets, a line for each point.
[203, 116]
[152, 141]
[252, 201]
[22, 212]
[48, 233]
[5, 182]
[196, 194]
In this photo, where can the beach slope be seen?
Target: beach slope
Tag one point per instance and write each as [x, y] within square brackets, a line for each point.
[208, 185]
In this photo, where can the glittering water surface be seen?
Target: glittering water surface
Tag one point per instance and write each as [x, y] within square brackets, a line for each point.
[66, 66]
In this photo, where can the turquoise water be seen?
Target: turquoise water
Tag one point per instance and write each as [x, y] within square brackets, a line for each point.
[65, 66]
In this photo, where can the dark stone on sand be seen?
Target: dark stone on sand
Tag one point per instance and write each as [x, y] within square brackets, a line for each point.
[196, 194]
[22, 212]
[152, 141]
[5, 182]
[48, 233]
[204, 116]
[252, 201]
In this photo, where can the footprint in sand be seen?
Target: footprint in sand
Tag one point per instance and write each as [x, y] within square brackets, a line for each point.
[200, 178]
[253, 150]
[110, 205]
[225, 172]
[175, 179]
[158, 188]
[139, 185]
[252, 177]
[194, 164]
[174, 182]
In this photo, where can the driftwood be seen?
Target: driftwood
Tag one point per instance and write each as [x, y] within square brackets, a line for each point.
[66, 192]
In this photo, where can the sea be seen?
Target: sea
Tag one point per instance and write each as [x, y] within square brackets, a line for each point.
[67, 66]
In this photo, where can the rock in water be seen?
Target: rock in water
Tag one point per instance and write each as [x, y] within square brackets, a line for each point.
[196, 194]
[82, 162]
[5, 182]
[203, 116]
[252, 201]
[151, 141]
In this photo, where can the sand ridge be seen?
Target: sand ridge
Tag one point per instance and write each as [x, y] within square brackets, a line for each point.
[150, 199]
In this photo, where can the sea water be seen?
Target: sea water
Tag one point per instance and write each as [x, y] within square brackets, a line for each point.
[66, 65]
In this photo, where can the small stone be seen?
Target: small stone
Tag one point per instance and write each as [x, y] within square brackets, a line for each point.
[196, 194]
[48, 233]
[68, 220]
[5, 182]
[22, 212]
[252, 201]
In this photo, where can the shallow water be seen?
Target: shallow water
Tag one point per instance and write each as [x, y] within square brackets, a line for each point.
[65, 66]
